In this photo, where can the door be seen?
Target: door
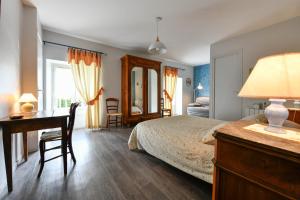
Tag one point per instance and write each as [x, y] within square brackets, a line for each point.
[228, 82]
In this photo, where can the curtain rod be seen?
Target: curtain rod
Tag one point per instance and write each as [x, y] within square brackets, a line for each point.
[176, 68]
[58, 44]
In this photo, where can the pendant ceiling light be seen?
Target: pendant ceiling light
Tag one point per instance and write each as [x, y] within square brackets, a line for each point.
[157, 47]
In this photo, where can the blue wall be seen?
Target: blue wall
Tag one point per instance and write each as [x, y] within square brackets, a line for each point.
[202, 75]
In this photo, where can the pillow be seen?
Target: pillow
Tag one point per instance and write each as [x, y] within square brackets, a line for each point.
[210, 142]
[202, 100]
[195, 104]
[291, 124]
[208, 138]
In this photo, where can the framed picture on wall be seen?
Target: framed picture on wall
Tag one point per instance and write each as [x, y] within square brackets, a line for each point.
[188, 82]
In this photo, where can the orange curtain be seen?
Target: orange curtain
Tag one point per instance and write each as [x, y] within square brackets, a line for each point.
[86, 73]
[170, 85]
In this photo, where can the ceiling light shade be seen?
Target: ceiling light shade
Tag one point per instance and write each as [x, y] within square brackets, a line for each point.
[157, 47]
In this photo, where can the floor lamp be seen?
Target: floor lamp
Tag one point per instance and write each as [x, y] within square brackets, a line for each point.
[199, 87]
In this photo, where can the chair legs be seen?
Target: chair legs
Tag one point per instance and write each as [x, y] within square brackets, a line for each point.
[42, 145]
[42, 160]
[121, 121]
[71, 152]
[118, 121]
[107, 121]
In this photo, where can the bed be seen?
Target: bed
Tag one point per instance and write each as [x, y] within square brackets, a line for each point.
[199, 108]
[199, 111]
[181, 141]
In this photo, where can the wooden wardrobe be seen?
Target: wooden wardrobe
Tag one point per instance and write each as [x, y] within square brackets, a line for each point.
[141, 89]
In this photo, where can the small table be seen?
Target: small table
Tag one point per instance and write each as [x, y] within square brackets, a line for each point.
[38, 121]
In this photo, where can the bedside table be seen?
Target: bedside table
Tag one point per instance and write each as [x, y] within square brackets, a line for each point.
[255, 165]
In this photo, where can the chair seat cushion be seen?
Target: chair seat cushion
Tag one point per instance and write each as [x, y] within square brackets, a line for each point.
[114, 114]
[51, 135]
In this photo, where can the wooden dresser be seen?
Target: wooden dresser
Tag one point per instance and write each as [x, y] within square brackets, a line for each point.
[253, 165]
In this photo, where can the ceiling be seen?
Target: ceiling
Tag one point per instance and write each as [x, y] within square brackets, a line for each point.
[188, 27]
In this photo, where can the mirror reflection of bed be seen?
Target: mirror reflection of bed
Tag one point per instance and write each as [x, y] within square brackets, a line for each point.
[137, 91]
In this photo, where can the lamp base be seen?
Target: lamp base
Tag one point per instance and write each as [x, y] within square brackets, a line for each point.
[27, 107]
[276, 113]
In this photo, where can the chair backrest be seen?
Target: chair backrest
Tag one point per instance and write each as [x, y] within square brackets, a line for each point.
[112, 105]
[72, 112]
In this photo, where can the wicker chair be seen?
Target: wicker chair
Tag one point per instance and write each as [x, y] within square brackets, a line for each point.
[165, 112]
[113, 116]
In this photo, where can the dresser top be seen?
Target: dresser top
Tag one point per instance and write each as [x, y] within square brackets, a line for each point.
[241, 131]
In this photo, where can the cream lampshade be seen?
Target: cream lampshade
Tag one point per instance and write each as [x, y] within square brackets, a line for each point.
[276, 78]
[27, 100]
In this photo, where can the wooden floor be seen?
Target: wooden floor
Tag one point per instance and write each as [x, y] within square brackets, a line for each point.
[105, 169]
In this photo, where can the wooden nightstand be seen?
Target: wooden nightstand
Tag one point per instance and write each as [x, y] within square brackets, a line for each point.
[254, 165]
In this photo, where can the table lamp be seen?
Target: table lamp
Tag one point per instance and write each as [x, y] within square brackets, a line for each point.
[27, 99]
[199, 87]
[276, 78]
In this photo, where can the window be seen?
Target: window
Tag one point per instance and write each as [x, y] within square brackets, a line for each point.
[64, 90]
[61, 90]
[177, 100]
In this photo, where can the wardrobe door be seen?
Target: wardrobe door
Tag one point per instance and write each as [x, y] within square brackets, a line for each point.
[152, 91]
[227, 84]
[137, 91]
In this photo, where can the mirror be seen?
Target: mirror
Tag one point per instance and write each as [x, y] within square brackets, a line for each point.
[152, 91]
[137, 91]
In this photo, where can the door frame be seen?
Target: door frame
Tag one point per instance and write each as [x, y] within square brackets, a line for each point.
[213, 70]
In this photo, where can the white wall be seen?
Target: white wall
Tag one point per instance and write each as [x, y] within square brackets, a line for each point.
[29, 51]
[18, 66]
[10, 65]
[31, 62]
[111, 70]
[278, 38]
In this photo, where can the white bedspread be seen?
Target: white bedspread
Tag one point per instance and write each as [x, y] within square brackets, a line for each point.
[178, 141]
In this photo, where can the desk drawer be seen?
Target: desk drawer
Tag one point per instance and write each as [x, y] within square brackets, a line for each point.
[260, 166]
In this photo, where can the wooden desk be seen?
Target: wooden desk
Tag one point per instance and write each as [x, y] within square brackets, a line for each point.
[255, 165]
[41, 120]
